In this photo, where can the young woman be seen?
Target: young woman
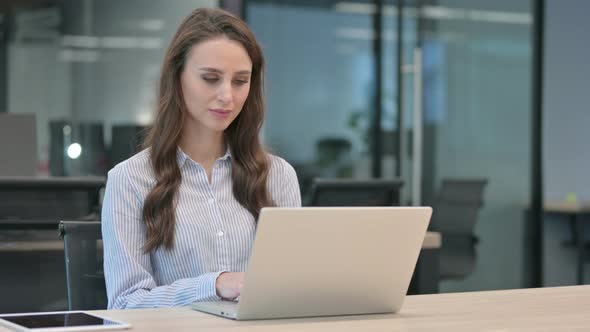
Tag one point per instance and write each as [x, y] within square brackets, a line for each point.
[179, 218]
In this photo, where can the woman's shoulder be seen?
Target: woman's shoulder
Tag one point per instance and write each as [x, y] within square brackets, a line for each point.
[279, 166]
[283, 184]
[136, 168]
[276, 161]
[138, 161]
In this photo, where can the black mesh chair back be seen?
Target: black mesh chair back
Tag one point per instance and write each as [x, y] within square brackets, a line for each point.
[454, 216]
[84, 269]
[353, 192]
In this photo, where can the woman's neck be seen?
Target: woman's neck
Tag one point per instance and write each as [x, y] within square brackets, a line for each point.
[203, 148]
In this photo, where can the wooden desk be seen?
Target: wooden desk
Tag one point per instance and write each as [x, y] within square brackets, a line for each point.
[573, 211]
[540, 309]
[431, 241]
[27, 246]
[564, 207]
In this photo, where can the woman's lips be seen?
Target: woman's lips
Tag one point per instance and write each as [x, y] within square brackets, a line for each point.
[220, 113]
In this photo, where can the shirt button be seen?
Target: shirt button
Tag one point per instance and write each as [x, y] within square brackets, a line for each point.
[220, 233]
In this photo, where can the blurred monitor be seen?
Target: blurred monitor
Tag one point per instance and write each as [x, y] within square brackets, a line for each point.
[18, 144]
[354, 192]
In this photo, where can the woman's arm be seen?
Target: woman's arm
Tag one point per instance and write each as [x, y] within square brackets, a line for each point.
[128, 270]
[283, 185]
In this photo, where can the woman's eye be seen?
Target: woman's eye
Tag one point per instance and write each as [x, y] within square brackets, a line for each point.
[210, 79]
[240, 82]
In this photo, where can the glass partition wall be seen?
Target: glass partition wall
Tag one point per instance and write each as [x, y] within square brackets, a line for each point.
[88, 70]
[454, 85]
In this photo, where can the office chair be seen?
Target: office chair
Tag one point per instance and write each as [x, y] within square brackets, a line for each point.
[354, 192]
[454, 216]
[83, 256]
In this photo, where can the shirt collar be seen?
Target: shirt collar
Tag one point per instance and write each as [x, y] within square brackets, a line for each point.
[227, 154]
[181, 157]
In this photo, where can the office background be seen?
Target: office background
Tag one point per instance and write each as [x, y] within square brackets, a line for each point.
[566, 111]
[88, 69]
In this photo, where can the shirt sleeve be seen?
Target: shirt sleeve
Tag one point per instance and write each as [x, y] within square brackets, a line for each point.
[128, 270]
[283, 184]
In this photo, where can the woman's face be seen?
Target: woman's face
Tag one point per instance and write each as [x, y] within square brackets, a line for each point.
[215, 83]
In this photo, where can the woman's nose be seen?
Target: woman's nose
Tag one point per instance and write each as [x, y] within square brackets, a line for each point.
[224, 94]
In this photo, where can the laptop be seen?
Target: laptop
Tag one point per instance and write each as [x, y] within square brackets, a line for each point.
[327, 261]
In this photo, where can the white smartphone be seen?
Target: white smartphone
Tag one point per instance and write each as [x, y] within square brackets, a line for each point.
[60, 321]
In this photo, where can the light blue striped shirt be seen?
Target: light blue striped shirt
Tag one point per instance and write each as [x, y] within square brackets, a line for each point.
[213, 234]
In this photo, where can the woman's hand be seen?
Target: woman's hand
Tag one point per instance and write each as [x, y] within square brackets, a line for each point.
[229, 285]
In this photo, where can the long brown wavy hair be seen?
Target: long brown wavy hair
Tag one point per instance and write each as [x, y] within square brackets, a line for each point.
[250, 164]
